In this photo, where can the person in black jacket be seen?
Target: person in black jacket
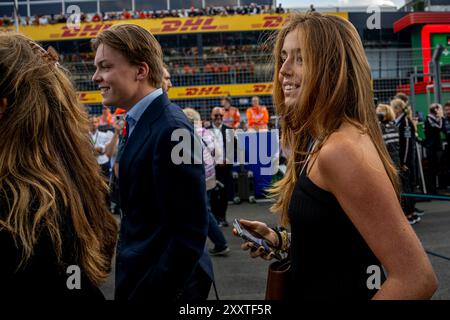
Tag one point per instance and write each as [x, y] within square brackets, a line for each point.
[446, 129]
[57, 236]
[407, 132]
[433, 144]
[391, 136]
[446, 124]
[161, 254]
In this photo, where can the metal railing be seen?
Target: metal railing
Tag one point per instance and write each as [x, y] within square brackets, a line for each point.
[391, 70]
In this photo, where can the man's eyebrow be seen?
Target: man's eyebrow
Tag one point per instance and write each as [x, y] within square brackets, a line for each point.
[100, 62]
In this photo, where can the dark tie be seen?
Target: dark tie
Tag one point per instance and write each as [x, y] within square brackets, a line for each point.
[125, 133]
[127, 130]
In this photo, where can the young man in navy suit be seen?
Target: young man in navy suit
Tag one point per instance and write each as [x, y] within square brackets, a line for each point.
[161, 250]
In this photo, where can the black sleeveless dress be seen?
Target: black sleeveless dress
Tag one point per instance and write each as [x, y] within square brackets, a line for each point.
[329, 257]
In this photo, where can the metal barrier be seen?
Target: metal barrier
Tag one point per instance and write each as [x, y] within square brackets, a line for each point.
[391, 72]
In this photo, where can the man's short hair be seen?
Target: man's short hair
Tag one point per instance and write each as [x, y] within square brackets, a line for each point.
[137, 45]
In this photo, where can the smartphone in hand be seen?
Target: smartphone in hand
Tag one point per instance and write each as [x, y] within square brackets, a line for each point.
[254, 238]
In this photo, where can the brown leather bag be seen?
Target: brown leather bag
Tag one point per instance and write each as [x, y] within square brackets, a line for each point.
[278, 280]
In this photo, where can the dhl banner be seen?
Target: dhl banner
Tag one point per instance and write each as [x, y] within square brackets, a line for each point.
[200, 24]
[213, 91]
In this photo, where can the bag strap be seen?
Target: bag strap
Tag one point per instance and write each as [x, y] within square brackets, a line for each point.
[311, 147]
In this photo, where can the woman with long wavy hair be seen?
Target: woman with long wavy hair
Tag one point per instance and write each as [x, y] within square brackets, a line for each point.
[57, 237]
[340, 191]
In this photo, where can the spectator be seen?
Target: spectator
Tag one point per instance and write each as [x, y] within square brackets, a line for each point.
[231, 115]
[52, 210]
[407, 133]
[446, 129]
[390, 133]
[96, 18]
[126, 15]
[404, 97]
[105, 120]
[279, 9]
[257, 116]
[214, 233]
[167, 83]
[99, 141]
[219, 196]
[433, 144]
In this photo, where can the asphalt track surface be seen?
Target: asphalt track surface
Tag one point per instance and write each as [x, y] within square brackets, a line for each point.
[239, 277]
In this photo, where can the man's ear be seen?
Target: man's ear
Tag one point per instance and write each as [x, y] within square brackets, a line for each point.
[142, 71]
[3, 106]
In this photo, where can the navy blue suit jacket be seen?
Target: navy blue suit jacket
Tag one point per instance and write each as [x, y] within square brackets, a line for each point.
[164, 224]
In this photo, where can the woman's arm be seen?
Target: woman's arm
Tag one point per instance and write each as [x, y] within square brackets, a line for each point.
[352, 170]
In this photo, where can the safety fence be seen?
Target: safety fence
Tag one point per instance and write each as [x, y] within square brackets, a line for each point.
[200, 81]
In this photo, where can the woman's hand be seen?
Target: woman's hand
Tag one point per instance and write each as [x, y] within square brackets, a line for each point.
[265, 232]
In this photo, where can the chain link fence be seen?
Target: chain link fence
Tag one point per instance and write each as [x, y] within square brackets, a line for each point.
[392, 70]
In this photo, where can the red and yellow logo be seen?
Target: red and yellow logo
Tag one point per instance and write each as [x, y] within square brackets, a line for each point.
[189, 25]
[198, 92]
[234, 23]
[90, 30]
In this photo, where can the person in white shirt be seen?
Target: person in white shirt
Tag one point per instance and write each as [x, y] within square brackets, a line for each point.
[219, 197]
[99, 142]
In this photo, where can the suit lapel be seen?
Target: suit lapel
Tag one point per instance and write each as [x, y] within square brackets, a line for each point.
[142, 131]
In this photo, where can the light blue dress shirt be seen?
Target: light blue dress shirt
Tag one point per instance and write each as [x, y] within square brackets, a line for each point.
[136, 112]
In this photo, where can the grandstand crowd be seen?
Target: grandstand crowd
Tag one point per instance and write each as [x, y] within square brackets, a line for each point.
[126, 14]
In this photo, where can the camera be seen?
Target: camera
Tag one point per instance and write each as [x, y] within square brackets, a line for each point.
[120, 119]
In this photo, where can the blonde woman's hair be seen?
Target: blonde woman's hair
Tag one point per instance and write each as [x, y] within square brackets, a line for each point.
[192, 115]
[402, 96]
[399, 104]
[49, 176]
[389, 114]
[335, 88]
[137, 45]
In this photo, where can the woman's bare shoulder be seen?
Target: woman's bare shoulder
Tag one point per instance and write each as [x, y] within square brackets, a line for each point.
[348, 149]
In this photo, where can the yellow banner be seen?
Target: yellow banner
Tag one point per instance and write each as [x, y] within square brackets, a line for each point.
[163, 26]
[213, 91]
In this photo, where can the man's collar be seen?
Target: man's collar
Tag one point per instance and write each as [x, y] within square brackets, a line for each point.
[139, 108]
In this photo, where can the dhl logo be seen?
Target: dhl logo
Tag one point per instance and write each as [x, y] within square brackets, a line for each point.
[86, 30]
[188, 25]
[91, 97]
[272, 21]
[205, 91]
[261, 88]
[82, 97]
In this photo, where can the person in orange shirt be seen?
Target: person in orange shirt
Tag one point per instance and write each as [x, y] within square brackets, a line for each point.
[257, 116]
[105, 119]
[231, 115]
